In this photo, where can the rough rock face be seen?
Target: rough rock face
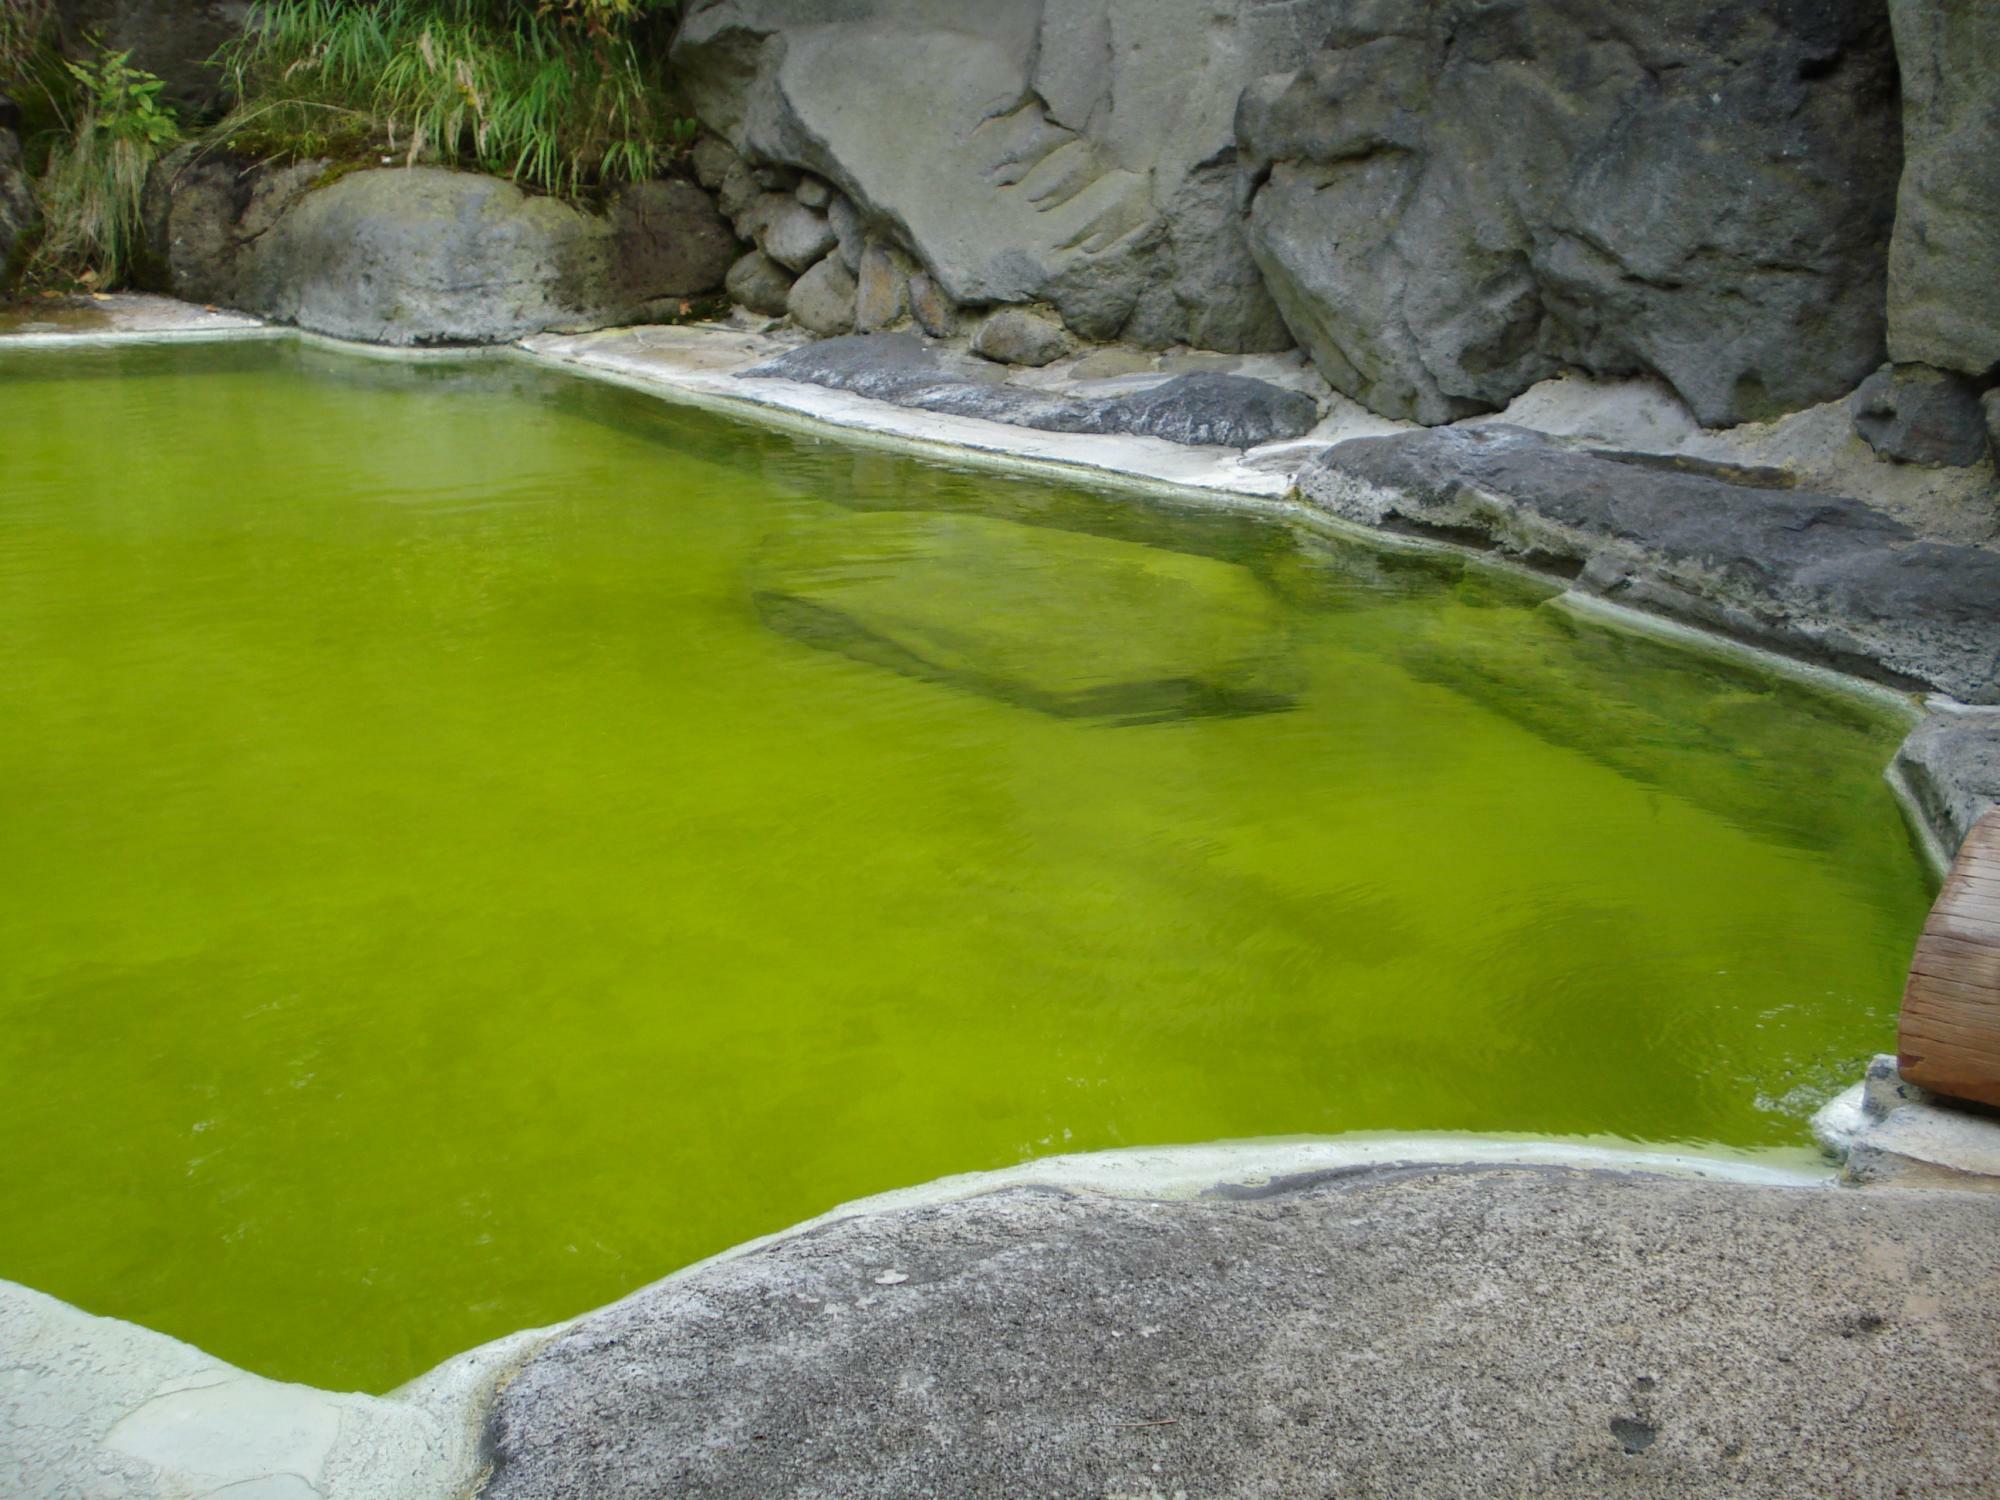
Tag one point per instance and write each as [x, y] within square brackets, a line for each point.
[1944, 262]
[174, 38]
[423, 255]
[1224, 410]
[1077, 152]
[1950, 765]
[205, 213]
[1818, 576]
[1414, 1331]
[17, 199]
[1917, 415]
[1456, 199]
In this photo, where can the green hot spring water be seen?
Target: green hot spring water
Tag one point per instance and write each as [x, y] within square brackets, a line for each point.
[476, 840]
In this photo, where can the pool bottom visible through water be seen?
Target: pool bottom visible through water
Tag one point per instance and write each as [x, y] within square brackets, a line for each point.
[477, 840]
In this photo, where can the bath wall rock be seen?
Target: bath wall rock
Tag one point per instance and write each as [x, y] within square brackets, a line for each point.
[1944, 261]
[1950, 769]
[1453, 201]
[1075, 152]
[411, 256]
[1919, 414]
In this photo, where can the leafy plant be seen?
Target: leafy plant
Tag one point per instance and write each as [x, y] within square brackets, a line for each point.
[92, 190]
[24, 28]
[555, 95]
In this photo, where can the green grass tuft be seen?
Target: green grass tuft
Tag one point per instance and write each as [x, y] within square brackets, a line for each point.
[556, 97]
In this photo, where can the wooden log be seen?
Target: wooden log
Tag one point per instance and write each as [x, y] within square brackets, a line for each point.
[1948, 1039]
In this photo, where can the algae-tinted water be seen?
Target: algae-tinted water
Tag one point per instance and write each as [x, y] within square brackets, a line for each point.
[475, 841]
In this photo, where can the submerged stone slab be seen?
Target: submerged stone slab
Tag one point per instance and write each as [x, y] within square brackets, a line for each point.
[1823, 577]
[1204, 408]
[1413, 1331]
[1062, 622]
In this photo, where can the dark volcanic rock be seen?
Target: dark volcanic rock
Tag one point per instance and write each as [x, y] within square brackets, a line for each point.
[667, 241]
[177, 39]
[17, 199]
[1918, 415]
[1074, 152]
[1457, 199]
[1950, 765]
[205, 212]
[1231, 411]
[422, 255]
[1818, 576]
[1944, 262]
[1396, 1332]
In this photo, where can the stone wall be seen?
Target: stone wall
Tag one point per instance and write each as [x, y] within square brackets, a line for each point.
[1443, 201]
[1454, 201]
[1075, 152]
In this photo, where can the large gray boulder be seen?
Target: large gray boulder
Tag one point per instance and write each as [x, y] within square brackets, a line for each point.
[1821, 577]
[1455, 200]
[423, 255]
[1944, 261]
[1077, 152]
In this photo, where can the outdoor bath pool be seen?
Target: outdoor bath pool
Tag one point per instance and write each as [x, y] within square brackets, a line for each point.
[476, 840]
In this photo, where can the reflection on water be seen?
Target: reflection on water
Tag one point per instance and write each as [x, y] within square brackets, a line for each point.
[477, 840]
